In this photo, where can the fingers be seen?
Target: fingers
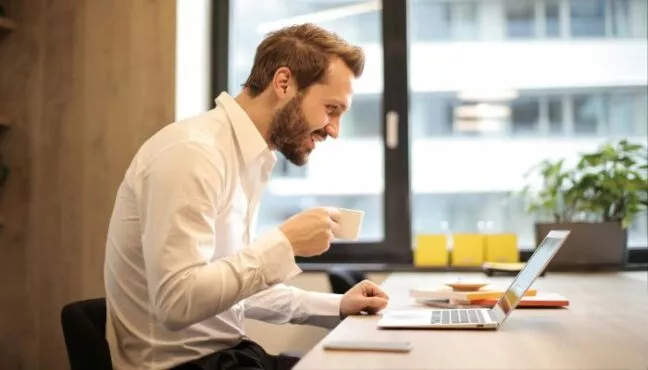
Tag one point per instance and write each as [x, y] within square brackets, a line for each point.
[380, 293]
[332, 219]
[372, 290]
[334, 229]
[378, 302]
[356, 301]
[334, 214]
[331, 236]
[375, 304]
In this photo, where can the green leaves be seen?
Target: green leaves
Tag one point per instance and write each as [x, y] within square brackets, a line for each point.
[609, 184]
[553, 199]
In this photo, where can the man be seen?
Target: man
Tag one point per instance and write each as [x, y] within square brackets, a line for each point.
[182, 269]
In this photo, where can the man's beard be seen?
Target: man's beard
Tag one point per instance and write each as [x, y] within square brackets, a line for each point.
[289, 132]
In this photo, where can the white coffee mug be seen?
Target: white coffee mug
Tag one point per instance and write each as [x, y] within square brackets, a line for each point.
[350, 224]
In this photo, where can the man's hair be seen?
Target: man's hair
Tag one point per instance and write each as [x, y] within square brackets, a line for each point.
[307, 51]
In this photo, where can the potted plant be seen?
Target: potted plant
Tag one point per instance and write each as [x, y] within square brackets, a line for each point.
[597, 198]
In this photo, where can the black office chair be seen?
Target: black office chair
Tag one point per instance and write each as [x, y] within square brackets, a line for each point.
[84, 329]
[342, 279]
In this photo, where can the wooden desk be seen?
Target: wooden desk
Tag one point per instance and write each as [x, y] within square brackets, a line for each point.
[605, 327]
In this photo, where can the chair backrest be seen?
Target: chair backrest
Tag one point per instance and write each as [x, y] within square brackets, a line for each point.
[84, 330]
[342, 279]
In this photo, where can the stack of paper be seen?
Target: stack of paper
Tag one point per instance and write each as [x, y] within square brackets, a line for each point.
[447, 294]
[485, 297]
[541, 299]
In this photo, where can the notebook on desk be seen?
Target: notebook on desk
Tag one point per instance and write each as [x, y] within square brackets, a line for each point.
[451, 295]
[481, 318]
[538, 300]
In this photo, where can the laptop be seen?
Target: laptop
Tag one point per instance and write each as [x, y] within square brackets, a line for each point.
[481, 318]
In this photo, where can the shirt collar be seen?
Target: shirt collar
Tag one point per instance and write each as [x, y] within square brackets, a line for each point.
[250, 141]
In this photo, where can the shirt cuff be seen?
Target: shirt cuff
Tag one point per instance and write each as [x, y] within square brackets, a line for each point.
[277, 258]
[321, 309]
[322, 304]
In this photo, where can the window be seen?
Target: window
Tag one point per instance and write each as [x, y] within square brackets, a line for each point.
[525, 116]
[436, 26]
[620, 114]
[641, 114]
[363, 120]
[555, 115]
[463, 15]
[520, 19]
[473, 116]
[619, 18]
[552, 18]
[638, 19]
[435, 112]
[612, 112]
[464, 171]
[587, 18]
[524, 19]
[445, 20]
[352, 171]
[334, 163]
[589, 113]
[464, 179]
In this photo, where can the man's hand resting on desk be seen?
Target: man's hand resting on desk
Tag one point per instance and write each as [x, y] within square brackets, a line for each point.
[363, 297]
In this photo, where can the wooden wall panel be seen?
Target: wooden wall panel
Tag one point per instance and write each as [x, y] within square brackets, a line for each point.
[86, 82]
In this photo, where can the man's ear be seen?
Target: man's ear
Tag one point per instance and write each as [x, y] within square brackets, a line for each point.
[282, 83]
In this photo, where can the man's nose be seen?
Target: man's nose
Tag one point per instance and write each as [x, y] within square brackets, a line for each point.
[333, 129]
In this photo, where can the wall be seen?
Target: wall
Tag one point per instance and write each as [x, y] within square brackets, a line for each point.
[193, 58]
[85, 83]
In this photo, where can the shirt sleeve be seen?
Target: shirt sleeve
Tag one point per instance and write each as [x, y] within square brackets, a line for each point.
[179, 194]
[283, 304]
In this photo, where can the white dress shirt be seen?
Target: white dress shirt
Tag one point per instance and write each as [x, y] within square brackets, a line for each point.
[182, 269]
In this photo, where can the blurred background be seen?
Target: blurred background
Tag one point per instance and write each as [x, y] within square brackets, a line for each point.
[494, 87]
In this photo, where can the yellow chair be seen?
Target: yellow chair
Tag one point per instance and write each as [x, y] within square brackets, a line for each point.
[468, 249]
[431, 250]
[501, 248]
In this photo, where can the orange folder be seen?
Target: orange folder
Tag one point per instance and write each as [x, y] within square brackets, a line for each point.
[539, 300]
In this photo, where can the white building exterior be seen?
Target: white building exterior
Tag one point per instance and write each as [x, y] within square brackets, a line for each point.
[578, 71]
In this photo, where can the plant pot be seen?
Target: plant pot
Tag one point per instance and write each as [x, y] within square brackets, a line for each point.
[590, 245]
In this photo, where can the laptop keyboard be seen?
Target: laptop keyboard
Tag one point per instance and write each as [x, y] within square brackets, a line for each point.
[457, 316]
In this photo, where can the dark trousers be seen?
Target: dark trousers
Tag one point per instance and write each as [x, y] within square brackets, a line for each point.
[247, 355]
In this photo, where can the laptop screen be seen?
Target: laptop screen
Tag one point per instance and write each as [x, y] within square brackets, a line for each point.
[533, 268]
